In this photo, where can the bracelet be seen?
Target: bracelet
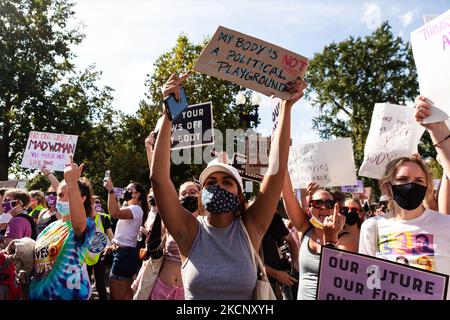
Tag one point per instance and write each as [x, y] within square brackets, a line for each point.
[111, 191]
[435, 145]
[331, 244]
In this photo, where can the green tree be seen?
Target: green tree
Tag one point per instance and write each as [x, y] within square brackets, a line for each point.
[347, 79]
[199, 88]
[39, 87]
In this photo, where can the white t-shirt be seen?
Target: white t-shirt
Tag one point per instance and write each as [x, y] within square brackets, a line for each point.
[424, 241]
[128, 229]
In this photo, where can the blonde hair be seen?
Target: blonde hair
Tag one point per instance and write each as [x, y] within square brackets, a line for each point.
[391, 171]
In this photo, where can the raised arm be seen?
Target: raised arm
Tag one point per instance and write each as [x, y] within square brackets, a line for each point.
[77, 212]
[439, 132]
[181, 225]
[443, 195]
[51, 177]
[113, 206]
[293, 209]
[149, 144]
[260, 213]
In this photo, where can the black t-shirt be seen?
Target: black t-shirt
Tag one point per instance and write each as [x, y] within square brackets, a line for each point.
[106, 221]
[272, 240]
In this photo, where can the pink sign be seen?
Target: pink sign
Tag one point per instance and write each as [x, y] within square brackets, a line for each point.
[346, 275]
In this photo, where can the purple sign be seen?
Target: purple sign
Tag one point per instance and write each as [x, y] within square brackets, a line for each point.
[119, 192]
[346, 275]
[358, 188]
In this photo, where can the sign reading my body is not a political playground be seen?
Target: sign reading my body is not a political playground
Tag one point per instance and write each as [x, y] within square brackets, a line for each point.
[351, 276]
[193, 127]
[393, 133]
[431, 50]
[326, 163]
[49, 149]
[251, 62]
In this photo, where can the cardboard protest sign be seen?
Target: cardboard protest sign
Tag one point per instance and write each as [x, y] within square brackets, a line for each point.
[8, 184]
[257, 153]
[251, 62]
[276, 104]
[358, 188]
[352, 276]
[393, 133]
[431, 50]
[49, 149]
[193, 127]
[327, 163]
[239, 162]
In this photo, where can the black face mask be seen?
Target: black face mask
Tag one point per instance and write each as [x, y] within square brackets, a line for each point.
[190, 203]
[351, 217]
[409, 196]
[127, 196]
[152, 202]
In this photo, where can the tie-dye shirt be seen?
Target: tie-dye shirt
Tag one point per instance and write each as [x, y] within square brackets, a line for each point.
[59, 256]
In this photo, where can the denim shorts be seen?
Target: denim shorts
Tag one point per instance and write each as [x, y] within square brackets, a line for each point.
[125, 263]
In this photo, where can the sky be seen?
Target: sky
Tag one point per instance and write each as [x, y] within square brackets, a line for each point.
[124, 38]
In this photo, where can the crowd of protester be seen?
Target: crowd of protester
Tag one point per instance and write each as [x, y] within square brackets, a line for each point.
[202, 239]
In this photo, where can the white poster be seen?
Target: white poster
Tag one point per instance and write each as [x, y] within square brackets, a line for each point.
[49, 149]
[431, 50]
[327, 163]
[276, 104]
[393, 133]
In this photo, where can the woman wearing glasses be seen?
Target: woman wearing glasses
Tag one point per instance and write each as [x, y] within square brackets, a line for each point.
[324, 227]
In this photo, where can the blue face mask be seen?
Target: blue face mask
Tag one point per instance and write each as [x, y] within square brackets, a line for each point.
[217, 200]
[63, 208]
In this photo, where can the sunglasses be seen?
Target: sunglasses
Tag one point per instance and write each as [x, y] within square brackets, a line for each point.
[329, 204]
[345, 210]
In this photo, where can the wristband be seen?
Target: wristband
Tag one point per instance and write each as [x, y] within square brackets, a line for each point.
[331, 244]
[111, 191]
[437, 144]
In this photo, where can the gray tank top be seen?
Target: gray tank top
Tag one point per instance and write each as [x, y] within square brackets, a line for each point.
[309, 268]
[219, 265]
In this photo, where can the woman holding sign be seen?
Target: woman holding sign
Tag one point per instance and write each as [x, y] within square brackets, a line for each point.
[409, 230]
[61, 248]
[325, 227]
[420, 235]
[217, 260]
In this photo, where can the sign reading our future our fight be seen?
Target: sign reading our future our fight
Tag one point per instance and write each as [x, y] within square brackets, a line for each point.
[49, 149]
[326, 163]
[431, 50]
[251, 62]
[393, 133]
[347, 275]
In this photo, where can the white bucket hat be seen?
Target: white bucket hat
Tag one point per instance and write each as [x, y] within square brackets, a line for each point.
[216, 166]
